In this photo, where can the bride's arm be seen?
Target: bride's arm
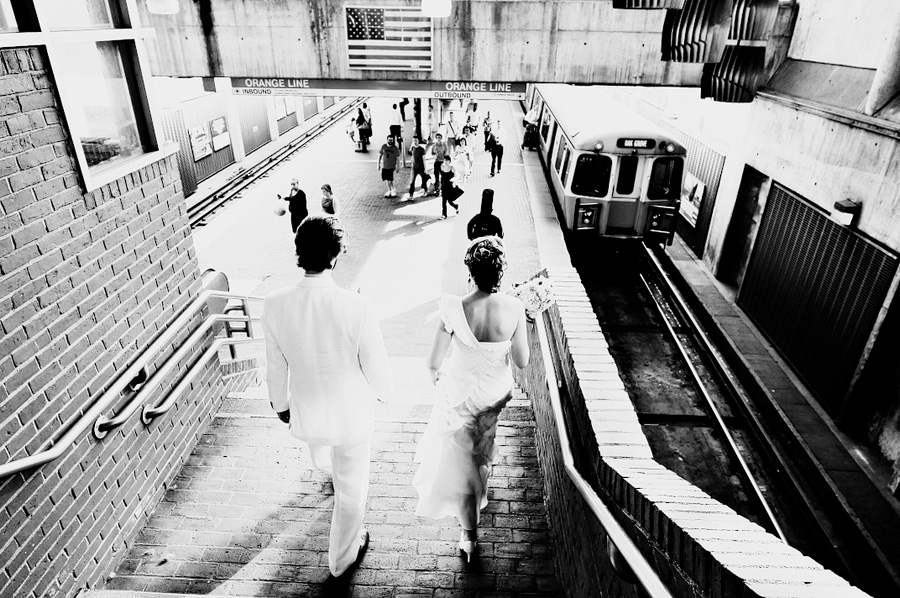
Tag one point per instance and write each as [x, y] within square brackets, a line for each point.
[438, 349]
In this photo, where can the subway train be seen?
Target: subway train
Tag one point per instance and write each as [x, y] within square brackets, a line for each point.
[615, 174]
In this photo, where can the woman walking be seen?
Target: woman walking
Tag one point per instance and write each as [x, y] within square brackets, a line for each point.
[485, 328]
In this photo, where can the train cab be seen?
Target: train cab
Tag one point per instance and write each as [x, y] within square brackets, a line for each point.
[614, 173]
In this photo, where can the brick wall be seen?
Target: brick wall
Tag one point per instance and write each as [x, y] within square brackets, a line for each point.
[86, 279]
[699, 547]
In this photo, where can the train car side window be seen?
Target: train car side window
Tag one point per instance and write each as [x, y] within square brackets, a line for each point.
[665, 178]
[545, 123]
[627, 171]
[560, 147]
[591, 175]
[565, 167]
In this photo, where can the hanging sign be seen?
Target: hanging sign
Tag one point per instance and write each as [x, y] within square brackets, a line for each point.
[285, 86]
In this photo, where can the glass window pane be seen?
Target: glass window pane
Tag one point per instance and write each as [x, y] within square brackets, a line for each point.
[565, 168]
[665, 178]
[76, 14]
[99, 102]
[7, 18]
[591, 175]
[627, 170]
[559, 151]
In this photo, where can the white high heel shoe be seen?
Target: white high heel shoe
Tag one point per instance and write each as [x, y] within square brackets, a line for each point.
[468, 547]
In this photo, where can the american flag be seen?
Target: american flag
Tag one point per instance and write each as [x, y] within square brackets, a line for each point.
[396, 39]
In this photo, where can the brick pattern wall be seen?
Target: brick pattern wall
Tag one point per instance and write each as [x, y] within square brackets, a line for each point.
[699, 547]
[86, 279]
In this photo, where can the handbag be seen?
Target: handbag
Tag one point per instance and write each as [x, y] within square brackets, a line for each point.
[535, 294]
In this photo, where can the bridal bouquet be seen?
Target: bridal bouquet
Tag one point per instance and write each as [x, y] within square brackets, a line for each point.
[536, 294]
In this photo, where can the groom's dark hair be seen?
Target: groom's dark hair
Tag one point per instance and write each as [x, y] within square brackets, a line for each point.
[319, 239]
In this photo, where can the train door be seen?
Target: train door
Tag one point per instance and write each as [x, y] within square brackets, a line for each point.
[626, 214]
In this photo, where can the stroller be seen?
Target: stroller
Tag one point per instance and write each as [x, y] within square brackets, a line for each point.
[530, 140]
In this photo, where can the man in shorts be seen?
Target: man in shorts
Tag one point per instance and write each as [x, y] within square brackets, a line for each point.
[387, 162]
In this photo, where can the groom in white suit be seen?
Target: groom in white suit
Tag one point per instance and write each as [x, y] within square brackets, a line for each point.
[326, 367]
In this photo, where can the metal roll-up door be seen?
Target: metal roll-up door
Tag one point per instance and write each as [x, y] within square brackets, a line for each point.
[254, 122]
[327, 101]
[310, 108]
[815, 288]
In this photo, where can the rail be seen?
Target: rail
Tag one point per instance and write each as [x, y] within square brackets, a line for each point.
[56, 447]
[645, 574]
[743, 468]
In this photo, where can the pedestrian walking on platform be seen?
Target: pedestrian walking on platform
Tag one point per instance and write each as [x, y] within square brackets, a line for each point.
[418, 167]
[486, 127]
[326, 367]
[296, 204]
[496, 150]
[364, 130]
[485, 223]
[329, 204]
[450, 190]
[434, 124]
[439, 150]
[387, 163]
[454, 130]
[402, 105]
[486, 329]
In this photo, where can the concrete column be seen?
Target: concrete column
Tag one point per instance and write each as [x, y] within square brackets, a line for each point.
[232, 117]
[886, 84]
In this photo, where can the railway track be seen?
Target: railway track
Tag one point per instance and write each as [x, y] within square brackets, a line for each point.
[699, 420]
[201, 210]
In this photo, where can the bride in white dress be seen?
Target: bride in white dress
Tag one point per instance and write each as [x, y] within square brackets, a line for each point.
[485, 329]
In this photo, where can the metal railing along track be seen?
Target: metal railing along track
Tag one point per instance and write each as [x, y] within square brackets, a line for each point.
[93, 415]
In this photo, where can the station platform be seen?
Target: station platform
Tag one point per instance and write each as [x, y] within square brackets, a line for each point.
[248, 515]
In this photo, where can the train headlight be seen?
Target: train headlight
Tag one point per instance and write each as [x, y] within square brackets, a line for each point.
[598, 147]
[670, 147]
[586, 216]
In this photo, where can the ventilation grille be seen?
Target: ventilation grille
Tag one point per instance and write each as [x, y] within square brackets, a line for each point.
[645, 4]
[752, 19]
[736, 77]
[698, 32]
[815, 289]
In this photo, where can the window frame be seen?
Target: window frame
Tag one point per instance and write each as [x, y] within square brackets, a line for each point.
[567, 150]
[675, 190]
[584, 157]
[125, 33]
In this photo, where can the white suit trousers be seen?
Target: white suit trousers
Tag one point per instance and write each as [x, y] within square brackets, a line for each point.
[348, 465]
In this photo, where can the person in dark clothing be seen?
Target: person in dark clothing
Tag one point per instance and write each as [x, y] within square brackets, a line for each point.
[484, 223]
[418, 167]
[296, 204]
[450, 191]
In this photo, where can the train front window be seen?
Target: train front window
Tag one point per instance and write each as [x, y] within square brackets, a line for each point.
[591, 176]
[665, 178]
[627, 171]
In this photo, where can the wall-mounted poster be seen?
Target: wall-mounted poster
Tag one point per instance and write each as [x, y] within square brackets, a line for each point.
[220, 136]
[200, 142]
[692, 190]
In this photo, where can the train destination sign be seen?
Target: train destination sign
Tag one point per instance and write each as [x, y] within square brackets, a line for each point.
[635, 143]
[278, 86]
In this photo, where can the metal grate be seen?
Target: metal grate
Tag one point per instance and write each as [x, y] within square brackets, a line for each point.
[254, 122]
[815, 288]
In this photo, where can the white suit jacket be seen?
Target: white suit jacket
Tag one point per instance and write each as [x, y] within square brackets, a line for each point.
[326, 360]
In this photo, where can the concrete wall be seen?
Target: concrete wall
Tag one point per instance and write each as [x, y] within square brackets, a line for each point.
[843, 32]
[86, 279]
[699, 547]
[507, 40]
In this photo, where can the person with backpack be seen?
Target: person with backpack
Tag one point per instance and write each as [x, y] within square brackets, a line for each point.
[484, 223]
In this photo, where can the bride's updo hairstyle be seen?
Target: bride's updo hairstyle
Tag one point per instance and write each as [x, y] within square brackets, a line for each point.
[318, 241]
[486, 260]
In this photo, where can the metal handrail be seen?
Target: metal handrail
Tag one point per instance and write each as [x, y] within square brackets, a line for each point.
[54, 448]
[148, 414]
[646, 576]
[104, 424]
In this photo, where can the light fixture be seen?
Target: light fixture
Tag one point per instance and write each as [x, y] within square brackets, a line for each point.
[670, 147]
[598, 147]
[845, 210]
[163, 7]
[438, 9]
